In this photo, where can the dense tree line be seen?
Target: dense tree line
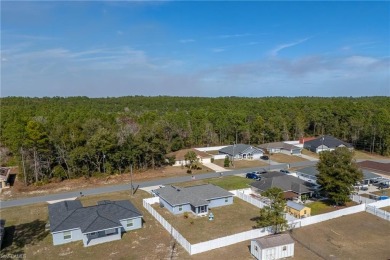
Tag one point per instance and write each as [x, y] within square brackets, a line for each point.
[79, 136]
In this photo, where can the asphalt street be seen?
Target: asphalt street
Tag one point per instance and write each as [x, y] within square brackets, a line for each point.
[124, 187]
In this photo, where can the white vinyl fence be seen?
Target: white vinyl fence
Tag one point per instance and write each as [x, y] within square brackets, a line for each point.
[255, 202]
[360, 199]
[175, 234]
[331, 215]
[229, 240]
[381, 203]
[378, 212]
[374, 208]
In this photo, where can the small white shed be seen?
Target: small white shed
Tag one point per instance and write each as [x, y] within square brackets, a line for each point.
[273, 247]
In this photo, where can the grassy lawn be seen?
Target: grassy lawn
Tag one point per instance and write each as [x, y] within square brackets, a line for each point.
[384, 192]
[365, 155]
[25, 234]
[310, 153]
[325, 206]
[213, 152]
[227, 183]
[228, 220]
[284, 158]
[241, 164]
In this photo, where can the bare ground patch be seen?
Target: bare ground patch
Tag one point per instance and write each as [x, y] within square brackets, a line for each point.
[284, 158]
[357, 236]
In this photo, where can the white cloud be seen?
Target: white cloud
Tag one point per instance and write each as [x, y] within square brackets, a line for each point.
[186, 40]
[360, 60]
[218, 50]
[277, 49]
[226, 36]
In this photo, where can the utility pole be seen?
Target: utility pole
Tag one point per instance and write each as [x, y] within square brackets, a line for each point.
[234, 145]
[131, 179]
[24, 168]
[104, 168]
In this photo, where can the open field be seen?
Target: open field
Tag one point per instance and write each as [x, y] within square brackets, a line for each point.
[25, 234]
[227, 183]
[238, 217]
[366, 155]
[241, 164]
[19, 190]
[325, 206]
[284, 158]
[357, 236]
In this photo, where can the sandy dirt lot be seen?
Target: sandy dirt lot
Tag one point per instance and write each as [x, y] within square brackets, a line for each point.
[357, 236]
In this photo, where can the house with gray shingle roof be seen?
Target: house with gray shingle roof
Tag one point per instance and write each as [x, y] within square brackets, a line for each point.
[281, 147]
[291, 186]
[196, 199]
[325, 143]
[242, 151]
[104, 222]
[310, 174]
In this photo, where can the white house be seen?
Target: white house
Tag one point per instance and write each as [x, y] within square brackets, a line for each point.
[242, 151]
[273, 247]
[203, 157]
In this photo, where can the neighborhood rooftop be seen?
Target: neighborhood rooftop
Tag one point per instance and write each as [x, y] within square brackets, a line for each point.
[67, 215]
[286, 183]
[180, 154]
[195, 195]
[295, 205]
[328, 141]
[379, 167]
[238, 149]
[312, 170]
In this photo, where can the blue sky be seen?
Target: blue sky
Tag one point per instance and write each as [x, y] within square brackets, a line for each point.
[255, 49]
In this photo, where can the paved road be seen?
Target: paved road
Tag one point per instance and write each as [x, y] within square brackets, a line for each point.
[124, 187]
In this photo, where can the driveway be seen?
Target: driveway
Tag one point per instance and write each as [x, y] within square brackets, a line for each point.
[215, 167]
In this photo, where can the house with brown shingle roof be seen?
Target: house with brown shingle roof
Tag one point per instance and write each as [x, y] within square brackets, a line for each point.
[180, 154]
[377, 167]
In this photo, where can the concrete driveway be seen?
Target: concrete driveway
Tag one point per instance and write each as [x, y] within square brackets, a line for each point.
[215, 167]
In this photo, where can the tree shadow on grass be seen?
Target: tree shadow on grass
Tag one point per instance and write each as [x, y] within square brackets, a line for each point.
[255, 219]
[17, 237]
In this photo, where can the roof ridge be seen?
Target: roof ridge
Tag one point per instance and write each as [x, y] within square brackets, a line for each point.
[125, 207]
[97, 216]
[71, 213]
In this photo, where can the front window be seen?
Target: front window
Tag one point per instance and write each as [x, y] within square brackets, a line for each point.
[67, 235]
[129, 223]
[226, 200]
[256, 249]
[284, 248]
[180, 208]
